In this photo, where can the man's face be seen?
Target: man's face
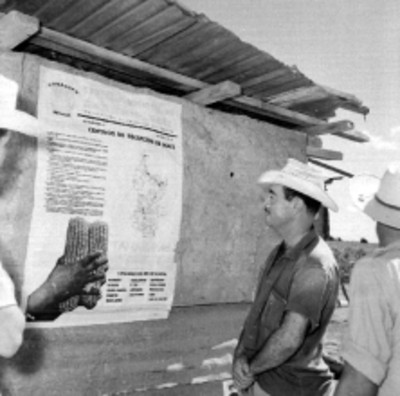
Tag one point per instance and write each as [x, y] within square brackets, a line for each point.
[278, 210]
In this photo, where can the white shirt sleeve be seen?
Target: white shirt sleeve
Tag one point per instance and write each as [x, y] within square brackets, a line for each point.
[7, 293]
[367, 347]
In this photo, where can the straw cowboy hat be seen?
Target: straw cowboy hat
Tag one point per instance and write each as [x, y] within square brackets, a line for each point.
[11, 118]
[302, 178]
[384, 207]
[16, 120]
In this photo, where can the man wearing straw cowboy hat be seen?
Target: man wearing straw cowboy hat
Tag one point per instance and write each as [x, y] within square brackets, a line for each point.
[372, 348]
[279, 352]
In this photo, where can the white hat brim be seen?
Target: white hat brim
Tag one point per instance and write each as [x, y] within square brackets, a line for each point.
[300, 185]
[19, 121]
[383, 214]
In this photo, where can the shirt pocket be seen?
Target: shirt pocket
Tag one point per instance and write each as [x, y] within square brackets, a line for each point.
[272, 315]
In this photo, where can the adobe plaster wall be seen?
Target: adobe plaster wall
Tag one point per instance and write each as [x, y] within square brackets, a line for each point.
[223, 243]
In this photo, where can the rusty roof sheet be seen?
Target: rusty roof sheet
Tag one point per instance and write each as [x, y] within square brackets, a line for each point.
[165, 34]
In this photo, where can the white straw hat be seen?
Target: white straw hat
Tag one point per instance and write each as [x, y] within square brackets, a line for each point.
[16, 120]
[302, 178]
[362, 189]
[384, 207]
[10, 118]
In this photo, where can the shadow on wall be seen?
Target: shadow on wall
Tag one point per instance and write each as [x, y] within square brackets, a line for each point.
[28, 360]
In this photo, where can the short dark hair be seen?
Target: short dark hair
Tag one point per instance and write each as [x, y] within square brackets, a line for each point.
[312, 205]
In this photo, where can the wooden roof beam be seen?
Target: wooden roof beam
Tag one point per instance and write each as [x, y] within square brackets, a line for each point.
[298, 96]
[355, 136]
[215, 93]
[318, 92]
[273, 111]
[15, 28]
[342, 129]
[282, 71]
[364, 110]
[128, 66]
[83, 50]
[332, 127]
[320, 153]
[348, 101]
[331, 168]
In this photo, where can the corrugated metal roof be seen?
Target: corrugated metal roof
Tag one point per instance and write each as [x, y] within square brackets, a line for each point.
[165, 34]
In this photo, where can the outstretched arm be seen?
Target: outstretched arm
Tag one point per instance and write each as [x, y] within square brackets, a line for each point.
[63, 282]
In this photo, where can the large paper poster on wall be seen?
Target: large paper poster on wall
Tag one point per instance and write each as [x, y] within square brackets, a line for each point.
[108, 183]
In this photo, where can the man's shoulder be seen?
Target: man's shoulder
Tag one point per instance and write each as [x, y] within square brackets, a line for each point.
[321, 256]
[319, 264]
[378, 263]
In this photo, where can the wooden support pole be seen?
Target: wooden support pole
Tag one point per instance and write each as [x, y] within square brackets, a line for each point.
[331, 168]
[215, 93]
[15, 28]
[324, 154]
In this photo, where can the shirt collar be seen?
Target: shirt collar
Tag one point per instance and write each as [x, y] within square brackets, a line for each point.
[308, 241]
[392, 246]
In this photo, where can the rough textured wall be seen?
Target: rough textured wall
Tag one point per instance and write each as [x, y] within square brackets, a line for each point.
[223, 242]
[223, 238]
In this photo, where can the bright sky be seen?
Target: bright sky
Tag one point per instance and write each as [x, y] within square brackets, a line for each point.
[349, 45]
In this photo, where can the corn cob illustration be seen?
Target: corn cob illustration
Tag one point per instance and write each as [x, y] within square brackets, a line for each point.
[98, 241]
[76, 247]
